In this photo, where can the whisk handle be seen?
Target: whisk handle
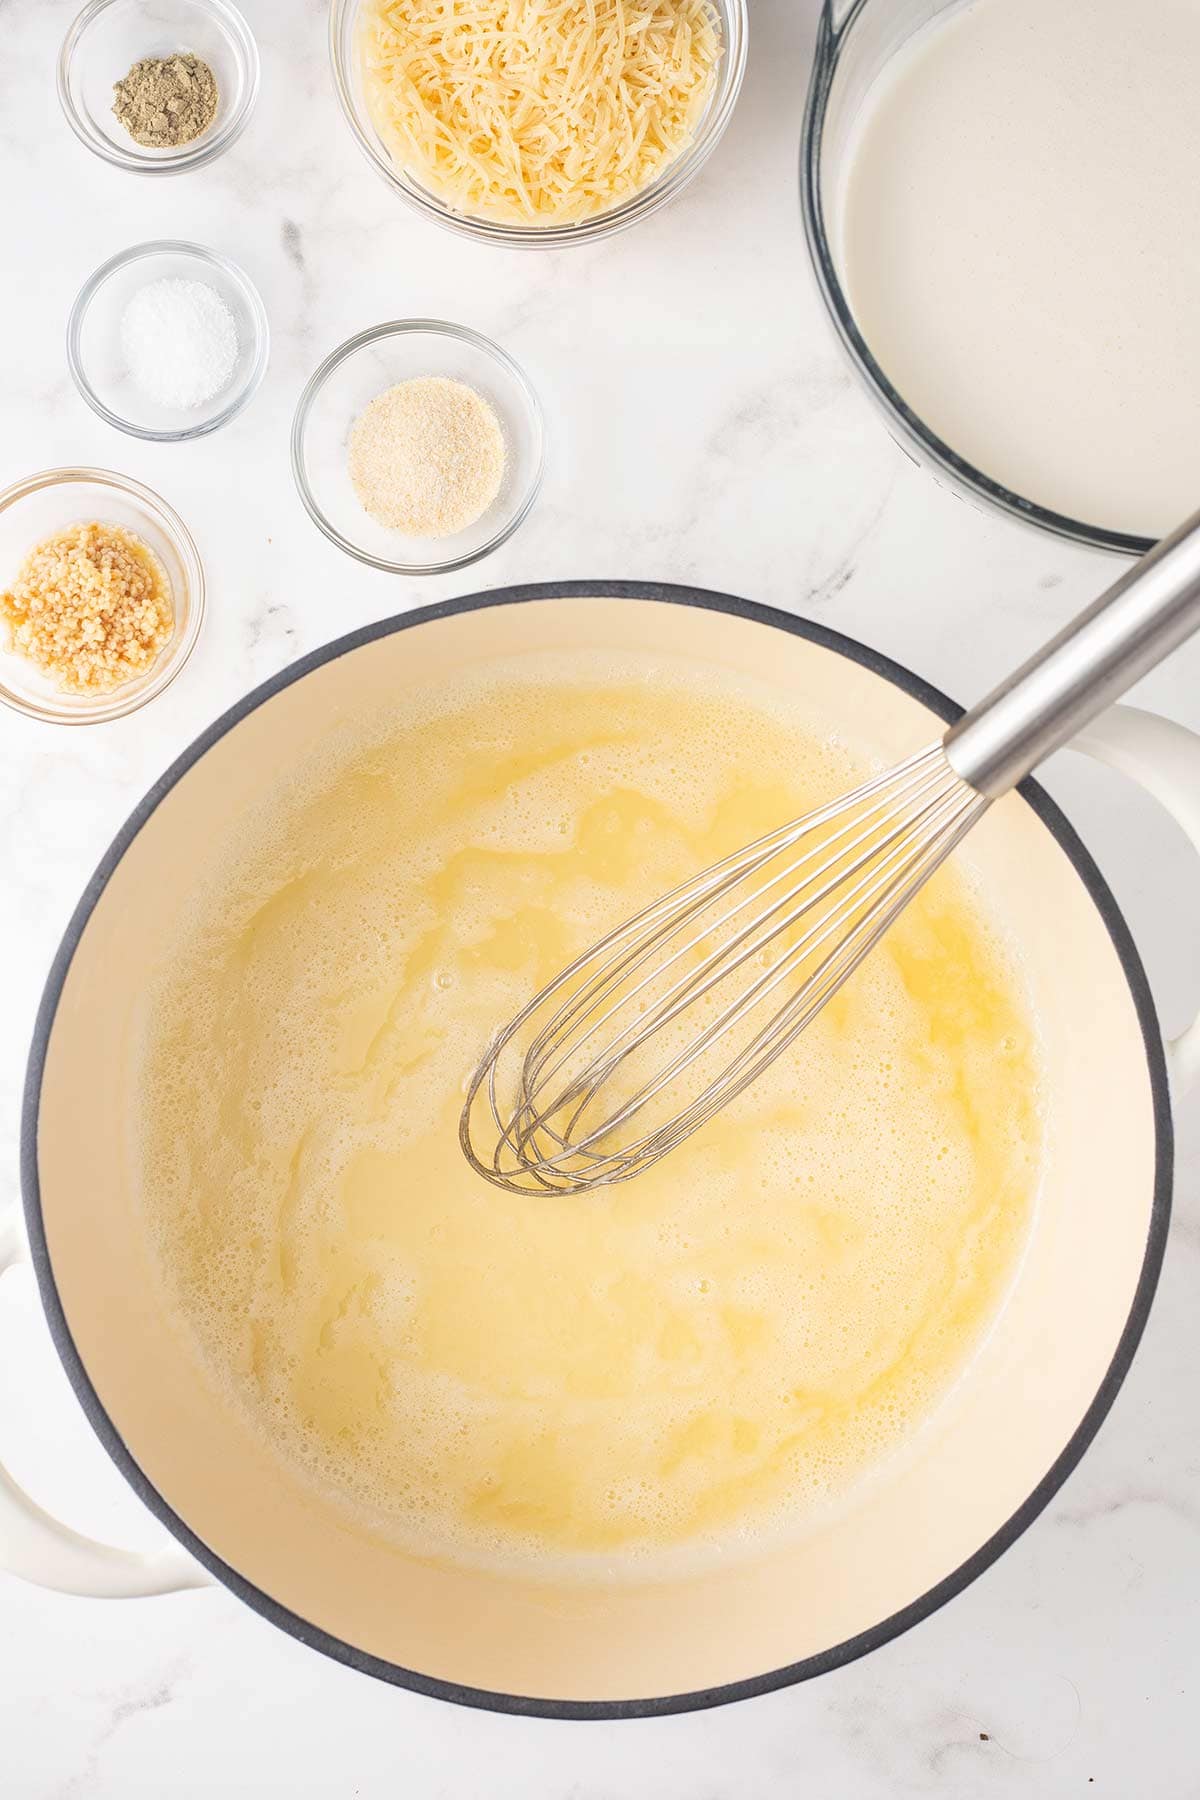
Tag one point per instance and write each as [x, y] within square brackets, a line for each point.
[1146, 613]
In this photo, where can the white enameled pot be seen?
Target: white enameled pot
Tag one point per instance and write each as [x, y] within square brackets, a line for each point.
[999, 1446]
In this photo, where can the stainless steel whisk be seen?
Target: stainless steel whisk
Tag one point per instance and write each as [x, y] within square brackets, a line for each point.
[643, 1038]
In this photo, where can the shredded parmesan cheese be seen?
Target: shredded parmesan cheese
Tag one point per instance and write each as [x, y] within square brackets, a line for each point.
[537, 112]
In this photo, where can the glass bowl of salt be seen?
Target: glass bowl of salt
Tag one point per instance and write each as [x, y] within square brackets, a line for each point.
[167, 341]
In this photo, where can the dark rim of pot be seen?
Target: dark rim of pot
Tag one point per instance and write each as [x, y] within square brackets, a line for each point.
[862, 1642]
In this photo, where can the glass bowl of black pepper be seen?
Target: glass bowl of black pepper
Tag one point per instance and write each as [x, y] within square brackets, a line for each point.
[187, 71]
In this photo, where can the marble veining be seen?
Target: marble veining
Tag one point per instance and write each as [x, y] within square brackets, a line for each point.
[702, 428]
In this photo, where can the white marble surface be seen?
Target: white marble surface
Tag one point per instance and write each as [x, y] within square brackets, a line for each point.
[704, 429]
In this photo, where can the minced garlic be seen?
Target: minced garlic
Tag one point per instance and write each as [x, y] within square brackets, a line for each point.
[91, 606]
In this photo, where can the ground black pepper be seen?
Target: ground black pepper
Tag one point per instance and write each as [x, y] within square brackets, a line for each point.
[165, 101]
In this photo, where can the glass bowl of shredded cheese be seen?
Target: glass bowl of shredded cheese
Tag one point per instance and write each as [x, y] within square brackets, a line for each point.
[538, 122]
[418, 446]
[101, 596]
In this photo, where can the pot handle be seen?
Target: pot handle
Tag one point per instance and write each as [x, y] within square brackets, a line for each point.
[41, 1549]
[1164, 758]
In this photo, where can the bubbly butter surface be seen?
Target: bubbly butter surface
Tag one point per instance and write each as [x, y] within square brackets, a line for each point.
[685, 1364]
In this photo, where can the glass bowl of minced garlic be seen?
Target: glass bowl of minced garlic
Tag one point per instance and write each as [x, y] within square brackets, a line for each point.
[101, 596]
[158, 89]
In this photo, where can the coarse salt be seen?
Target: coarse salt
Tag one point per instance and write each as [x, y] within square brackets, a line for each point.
[180, 342]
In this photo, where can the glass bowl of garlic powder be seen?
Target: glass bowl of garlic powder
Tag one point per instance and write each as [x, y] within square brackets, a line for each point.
[418, 446]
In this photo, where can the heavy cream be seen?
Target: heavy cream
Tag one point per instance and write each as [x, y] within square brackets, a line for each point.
[1020, 247]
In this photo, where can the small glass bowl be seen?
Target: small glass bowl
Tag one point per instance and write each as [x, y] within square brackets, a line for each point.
[97, 361]
[109, 36]
[36, 508]
[365, 366]
[347, 80]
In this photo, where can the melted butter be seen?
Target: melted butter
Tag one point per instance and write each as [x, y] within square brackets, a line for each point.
[701, 1356]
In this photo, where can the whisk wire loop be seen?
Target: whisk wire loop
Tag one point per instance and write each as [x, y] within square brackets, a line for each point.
[571, 1095]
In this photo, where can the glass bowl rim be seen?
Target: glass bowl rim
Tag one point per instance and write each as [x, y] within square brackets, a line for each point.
[189, 156]
[735, 20]
[462, 334]
[112, 706]
[917, 439]
[215, 260]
